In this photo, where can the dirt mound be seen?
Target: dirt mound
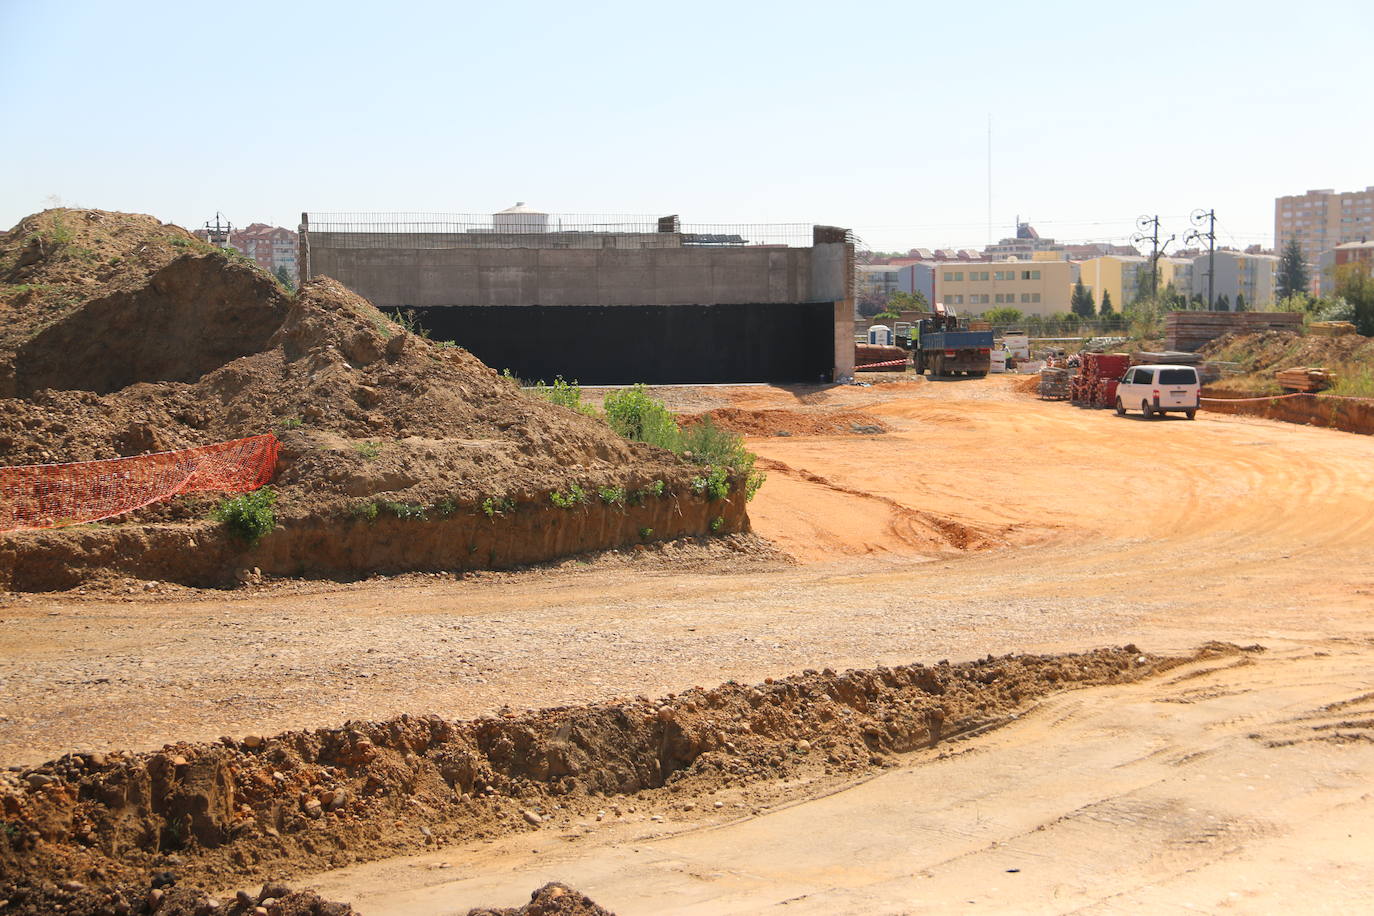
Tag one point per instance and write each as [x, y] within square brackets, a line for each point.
[125, 337]
[260, 807]
[783, 422]
[1258, 356]
[553, 899]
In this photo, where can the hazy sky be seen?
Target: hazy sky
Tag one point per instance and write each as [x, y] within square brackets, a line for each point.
[872, 116]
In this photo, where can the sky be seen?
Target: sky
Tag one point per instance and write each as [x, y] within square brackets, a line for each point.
[873, 116]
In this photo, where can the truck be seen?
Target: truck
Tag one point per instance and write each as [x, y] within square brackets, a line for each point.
[944, 344]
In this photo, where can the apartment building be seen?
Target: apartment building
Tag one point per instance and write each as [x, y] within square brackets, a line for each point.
[1320, 220]
[270, 246]
[876, 280]
[1252, 275]
[1034, 287]
[1116, 275]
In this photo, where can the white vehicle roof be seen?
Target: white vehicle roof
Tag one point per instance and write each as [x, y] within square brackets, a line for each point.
[1164, 366]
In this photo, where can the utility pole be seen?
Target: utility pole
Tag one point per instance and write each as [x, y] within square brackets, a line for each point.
[1151, 223]
[219, 233]
[1197, 235]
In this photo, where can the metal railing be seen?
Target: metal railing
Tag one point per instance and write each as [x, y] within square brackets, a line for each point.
[538, 230]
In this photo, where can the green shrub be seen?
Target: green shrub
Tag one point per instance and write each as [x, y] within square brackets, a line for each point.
[575, 496]
[366, 511]
[368, 450]
[404, 511]
[717, 523]
[635, 415]
[715, 485]
[646, 533]
[612, 496]
[564, 394]
[249, 515]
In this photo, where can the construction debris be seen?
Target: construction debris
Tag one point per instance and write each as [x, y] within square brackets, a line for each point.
[1190, 330]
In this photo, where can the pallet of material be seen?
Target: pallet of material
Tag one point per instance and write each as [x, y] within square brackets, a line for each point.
[1054, 383]
[1305, 379]
[1330, 328]
[1190, 330]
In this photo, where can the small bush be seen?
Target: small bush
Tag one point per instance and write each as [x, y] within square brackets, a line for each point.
[575, 496]
[635, 415]
[564, 394]
[715, 485]
[492, 507]
[249, 515]
[366, 511]
[409, 512]
[718, 523]
[646, 533]
[612, 496]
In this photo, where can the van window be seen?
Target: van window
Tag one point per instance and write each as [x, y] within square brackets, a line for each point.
[1143, 377]
[1177, 377]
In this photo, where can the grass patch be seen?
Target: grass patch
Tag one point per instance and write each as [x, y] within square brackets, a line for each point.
[563, 393]
[249, 516]
[1354, 382]
[368, 450]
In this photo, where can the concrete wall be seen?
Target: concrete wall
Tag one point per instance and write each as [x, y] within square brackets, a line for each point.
[650, 270]
[421, 277]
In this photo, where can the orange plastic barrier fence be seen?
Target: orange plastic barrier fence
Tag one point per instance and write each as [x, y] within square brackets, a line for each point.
[53, 495]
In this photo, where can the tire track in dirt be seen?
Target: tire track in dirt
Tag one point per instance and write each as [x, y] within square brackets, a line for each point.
[911, 526]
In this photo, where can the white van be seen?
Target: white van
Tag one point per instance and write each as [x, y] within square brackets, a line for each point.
[1159, 390]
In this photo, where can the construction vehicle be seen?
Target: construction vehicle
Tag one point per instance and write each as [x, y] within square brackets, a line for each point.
[944, 344]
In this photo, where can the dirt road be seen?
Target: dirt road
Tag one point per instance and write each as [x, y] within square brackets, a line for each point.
[982, 521]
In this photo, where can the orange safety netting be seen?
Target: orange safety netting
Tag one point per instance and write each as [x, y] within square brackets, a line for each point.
[52, 495]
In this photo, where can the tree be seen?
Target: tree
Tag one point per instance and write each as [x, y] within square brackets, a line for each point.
[1223, 303]
[1106, 310]
[1004, 315]
[1081, 302]
[908, 302]
[1355, 284]
[1240, 302]
[284, 276]
[1293, 275]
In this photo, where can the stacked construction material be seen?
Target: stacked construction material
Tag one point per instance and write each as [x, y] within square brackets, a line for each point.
[1330, 328]
[1190, 330]
[1098, 367]
[1104, 393]
[1166, 358]
[1054, 383]
[1307, 380]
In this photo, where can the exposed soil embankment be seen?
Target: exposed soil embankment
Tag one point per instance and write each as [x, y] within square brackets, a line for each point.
[210, 816]
[1352, 415]
[205, 554]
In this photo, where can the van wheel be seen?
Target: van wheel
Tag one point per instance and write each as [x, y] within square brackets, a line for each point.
[1147, 410]
[1120, 408]
[1190, 414]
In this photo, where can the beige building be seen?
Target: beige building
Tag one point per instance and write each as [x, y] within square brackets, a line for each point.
[1320, 220]
[1034, 287]
[1117, 275]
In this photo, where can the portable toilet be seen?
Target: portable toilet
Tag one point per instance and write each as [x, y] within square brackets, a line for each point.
[880, 335]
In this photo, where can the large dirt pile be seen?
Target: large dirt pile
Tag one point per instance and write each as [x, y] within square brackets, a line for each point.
[122, 336]
[1258, 356]
[211, 815]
